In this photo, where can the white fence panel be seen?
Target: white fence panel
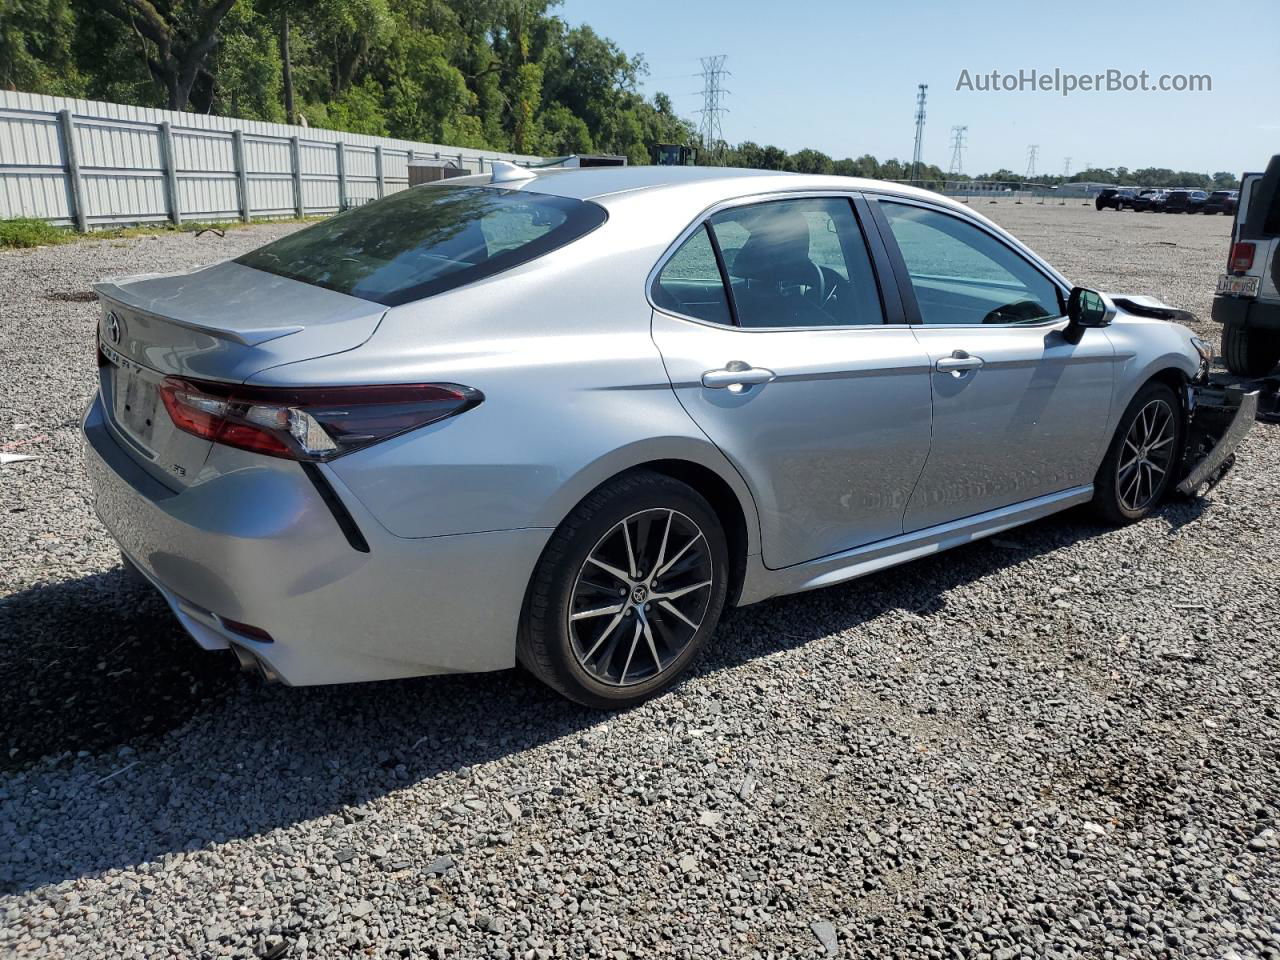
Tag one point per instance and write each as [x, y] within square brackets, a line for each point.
[140, 194]
[32, 141]
[93, 164]
[34, 194]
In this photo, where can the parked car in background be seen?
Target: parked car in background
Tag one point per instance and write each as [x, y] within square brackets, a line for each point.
[566, 418]
[1113, 198]
[1184, 201]
[1247, 302]
[1145, 199]
[1221, 201]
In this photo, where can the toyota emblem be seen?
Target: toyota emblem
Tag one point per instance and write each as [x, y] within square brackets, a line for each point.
[113, 327]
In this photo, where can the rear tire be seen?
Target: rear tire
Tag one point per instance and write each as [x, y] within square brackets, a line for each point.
[1249, 352]
[610, 635]
[1144, 454]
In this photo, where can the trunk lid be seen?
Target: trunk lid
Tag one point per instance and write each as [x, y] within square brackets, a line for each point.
[225, 322]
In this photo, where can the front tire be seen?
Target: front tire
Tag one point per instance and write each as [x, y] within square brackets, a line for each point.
[1139, 467]
[627, 592]
[1249, 352]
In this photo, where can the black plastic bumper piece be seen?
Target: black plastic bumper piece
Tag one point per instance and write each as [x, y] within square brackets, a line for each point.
[346, 522]
[1244, 312]
[1220, 419]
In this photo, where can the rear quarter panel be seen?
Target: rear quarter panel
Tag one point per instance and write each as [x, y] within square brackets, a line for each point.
[575, 391]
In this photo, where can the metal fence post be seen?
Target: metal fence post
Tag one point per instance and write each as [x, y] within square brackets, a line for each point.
[168, 161]
[295, 155]
[71, 163]
[377, 164]
[342, 176]
[242, 174]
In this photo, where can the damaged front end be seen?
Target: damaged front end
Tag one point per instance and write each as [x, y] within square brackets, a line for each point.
[1220, 409]
[1219, 415]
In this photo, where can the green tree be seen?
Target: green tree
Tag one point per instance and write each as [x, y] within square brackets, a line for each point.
[245, 68]
[810, 161]
[37, 47]
[177, 39]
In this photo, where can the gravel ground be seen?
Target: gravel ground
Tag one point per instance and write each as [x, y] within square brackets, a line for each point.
[1064, 741]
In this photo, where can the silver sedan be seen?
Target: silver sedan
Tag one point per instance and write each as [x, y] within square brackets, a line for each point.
[566, 418]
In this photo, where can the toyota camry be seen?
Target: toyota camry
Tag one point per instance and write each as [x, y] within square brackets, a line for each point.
[566, 417]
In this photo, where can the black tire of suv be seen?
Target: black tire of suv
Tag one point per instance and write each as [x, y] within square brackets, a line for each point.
[544, 646]
[1250, 352]
[1106, 494]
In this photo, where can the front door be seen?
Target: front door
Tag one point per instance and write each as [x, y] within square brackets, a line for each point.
[793, 373]
[1018, 412]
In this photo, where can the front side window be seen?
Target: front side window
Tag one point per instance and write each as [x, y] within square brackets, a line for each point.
[963, 275]
[425, 240]
[798, 263]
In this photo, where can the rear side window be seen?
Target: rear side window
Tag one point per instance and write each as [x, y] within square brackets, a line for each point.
[798, 263]
[788, 263]
[425, 240]
[690, 281]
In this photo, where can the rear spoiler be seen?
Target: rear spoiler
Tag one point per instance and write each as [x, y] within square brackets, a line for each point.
[246, 337]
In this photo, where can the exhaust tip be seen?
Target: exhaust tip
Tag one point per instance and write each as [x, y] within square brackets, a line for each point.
[252, 663]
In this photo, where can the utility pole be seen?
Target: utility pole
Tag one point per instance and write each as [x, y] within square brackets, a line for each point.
[1066, 167]
[915, 154]
[1032, 150]
[957, 149]
[713, 91]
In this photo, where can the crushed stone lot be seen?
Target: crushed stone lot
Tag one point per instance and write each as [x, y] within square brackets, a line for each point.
[1063, 741]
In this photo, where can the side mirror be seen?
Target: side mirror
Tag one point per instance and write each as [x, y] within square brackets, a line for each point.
[1085, 309]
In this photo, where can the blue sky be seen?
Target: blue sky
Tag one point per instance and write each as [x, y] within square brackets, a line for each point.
[841, 76]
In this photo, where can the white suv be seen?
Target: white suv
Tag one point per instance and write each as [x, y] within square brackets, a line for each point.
[1247, 303]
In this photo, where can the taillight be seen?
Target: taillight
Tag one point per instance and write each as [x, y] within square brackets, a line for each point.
[309, 423]
[1241, 257]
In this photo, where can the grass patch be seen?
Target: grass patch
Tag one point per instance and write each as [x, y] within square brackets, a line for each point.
[28, 232]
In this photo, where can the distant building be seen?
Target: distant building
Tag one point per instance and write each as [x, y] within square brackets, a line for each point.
[1084, 188]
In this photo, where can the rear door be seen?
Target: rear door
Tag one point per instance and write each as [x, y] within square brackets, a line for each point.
[1258, 222]
[794, 359]
[1018, 412]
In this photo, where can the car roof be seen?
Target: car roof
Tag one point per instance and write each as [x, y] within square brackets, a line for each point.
[714, 183]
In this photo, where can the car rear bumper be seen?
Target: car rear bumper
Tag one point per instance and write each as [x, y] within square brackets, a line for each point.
[256, 544]
[1243, 312]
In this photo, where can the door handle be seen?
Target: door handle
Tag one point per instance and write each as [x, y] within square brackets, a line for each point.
[737, 373]
[958, 364]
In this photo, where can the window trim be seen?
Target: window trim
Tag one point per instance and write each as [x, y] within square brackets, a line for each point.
[881, 269]
[729, 298]
[1011, 243]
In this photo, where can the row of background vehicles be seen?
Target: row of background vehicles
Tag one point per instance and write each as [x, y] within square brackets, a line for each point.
[1160, 200]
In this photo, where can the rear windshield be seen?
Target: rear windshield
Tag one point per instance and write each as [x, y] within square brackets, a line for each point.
[425, 240]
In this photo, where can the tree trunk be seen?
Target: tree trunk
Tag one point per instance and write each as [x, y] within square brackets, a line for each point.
[290, 115]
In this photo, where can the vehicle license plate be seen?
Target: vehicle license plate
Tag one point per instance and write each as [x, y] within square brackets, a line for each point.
[136, 400]
[1238, 286]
